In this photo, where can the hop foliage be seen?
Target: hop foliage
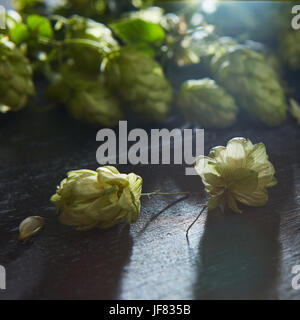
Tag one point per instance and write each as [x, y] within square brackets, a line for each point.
[205, 102]
[246, 75]
[16, 78]
[102, 198]
[140, 81]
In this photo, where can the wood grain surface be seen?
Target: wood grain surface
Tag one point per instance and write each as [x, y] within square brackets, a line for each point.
[230, 256]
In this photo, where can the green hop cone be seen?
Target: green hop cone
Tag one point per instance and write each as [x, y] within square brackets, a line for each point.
[140, 82]
[102, 198]
[88, 41]
[86, 98]
[15, 78]
[205, 102]
[94, 103]
[245, 74]
[289, 50]
[239, 172]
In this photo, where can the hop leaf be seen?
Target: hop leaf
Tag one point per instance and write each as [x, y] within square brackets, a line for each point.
[255, 85]
[239, 172]
[140, 81]
[203, 101]
[139, 32]
[36, 27]
[15, 78]
[102, 198]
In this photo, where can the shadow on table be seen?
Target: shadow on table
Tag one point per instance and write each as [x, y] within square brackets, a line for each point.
[86, 265]
[239, 255]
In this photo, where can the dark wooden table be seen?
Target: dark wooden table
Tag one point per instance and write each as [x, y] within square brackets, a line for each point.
[250, 255]
[246, 256]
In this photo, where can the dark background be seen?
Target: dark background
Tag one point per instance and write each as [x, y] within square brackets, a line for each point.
[230, 256]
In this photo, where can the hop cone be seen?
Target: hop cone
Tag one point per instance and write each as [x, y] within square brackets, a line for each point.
[99, 41]
[207, 103]
[239, 172]
[245, 74]
[101, 199]
[140, 82]
[289, 50]
[86, 98]
[15, 78]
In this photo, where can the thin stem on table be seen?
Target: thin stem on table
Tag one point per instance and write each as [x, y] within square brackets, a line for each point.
[158, 193]
[199, 215]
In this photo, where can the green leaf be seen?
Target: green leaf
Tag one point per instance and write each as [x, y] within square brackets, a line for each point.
[137, 30]
[40, 26]
[19, 33]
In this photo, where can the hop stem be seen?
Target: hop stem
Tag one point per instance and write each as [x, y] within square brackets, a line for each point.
[158, 193]
[190, 227]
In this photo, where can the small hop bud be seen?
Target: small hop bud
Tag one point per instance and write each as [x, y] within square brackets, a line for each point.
[239, 172]
[101, 198]
[30, 227]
